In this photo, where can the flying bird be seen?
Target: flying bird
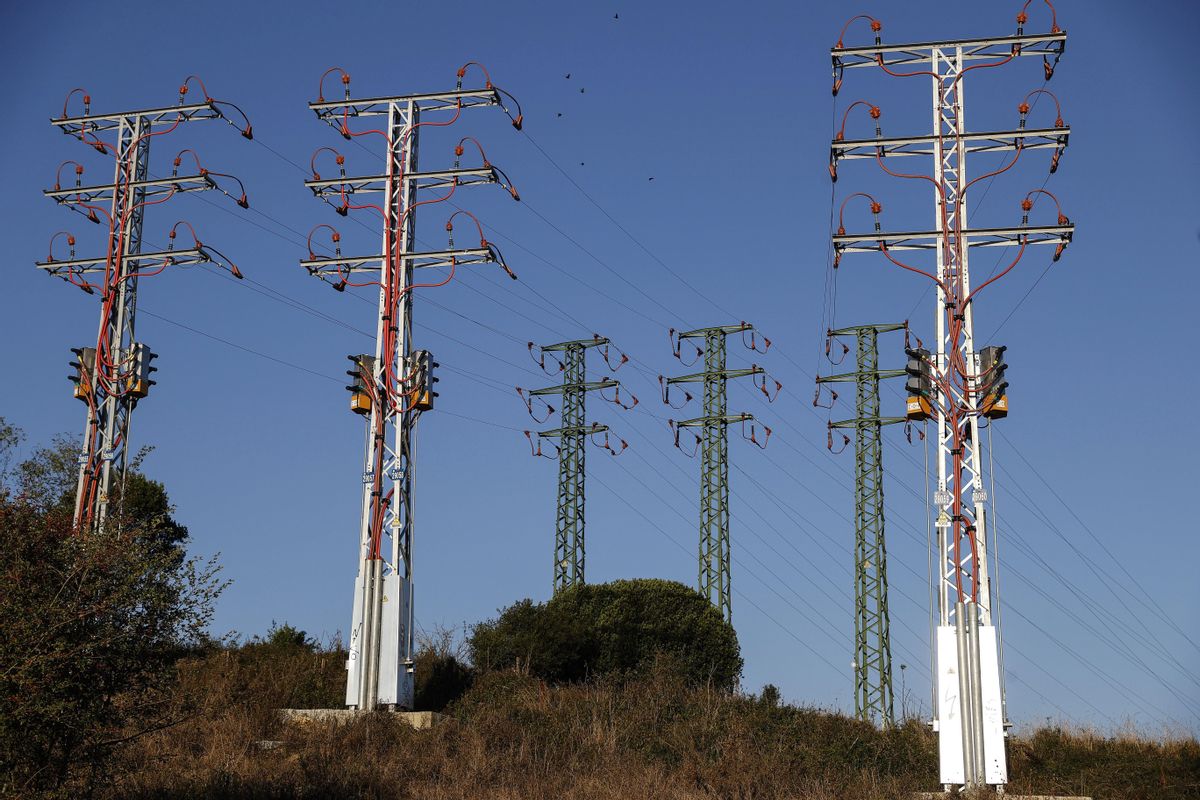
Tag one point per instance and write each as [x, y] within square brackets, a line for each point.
[582, 90]
[651, 177]
[560, 113]
[616, 16]
[568, 76]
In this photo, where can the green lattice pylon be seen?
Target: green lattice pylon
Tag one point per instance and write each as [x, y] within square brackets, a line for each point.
[873, 697]
[714, 580]
[570, 553]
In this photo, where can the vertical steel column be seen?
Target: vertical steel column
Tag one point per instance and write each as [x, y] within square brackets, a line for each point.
[107, 433]
[381, 637]
[969, 712]
[569, 550]
[872, 634]
[380, 660]
[963, 585]
[714, 557]
[714, 575]
[873, 694]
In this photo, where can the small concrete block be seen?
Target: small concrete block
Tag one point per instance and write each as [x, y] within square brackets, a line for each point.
[944, 795]
[418, 720]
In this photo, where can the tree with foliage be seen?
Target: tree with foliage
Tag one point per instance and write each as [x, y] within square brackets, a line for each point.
[613, 629]
[91, 626]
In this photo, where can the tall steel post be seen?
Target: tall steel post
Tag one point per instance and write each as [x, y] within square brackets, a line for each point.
[113, 382]
[969, 717]
[714, 579]
[873, 696]
[570, 553]
[380, 663]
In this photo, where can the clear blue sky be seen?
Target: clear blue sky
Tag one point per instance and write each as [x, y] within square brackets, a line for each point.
[727, 106]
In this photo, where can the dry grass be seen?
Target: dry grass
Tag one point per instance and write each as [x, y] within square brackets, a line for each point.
[513, 737]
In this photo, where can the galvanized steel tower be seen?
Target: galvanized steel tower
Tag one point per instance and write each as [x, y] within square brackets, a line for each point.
[955, 389]
[397, 379]
[873, 696]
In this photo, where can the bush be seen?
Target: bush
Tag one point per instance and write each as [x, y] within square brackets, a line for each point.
[90, 629]
[616, 629]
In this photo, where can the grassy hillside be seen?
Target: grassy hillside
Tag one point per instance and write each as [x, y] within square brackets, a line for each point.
[511, 736]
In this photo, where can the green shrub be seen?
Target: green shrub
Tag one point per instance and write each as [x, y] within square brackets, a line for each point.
[616, 629]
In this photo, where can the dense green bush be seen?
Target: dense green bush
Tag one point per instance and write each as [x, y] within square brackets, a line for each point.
[612, 629]
[91, 625]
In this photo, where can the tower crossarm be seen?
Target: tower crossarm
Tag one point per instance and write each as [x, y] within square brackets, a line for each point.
[703, 422]
[973, 237]
[335, 112]
[595, 341]
[1045, 44]
[700, 333]
[589, 386]
[150, 189]
[83, 266]
[855, 377]
[725, 374]
[574, 430]
[854, 423]
[151, 117]
[367, 184]
[982, 142]
[434, 258]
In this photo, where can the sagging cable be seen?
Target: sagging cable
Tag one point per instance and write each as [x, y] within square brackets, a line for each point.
[78, 175]
[829, 440]
[829, 340]
[753, 437]
[752, 344]
[666, 394]
[606, 444]
[606, 355]
[540, 359]
[761, 381]
[537, 452]
[677, 348]
[676, 429]
[617, 401]
[528, 399]
[1026, 206]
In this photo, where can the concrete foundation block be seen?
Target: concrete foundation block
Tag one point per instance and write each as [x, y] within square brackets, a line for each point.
[419, 720]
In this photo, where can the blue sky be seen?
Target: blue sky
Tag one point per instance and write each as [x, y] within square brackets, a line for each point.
[727, 107]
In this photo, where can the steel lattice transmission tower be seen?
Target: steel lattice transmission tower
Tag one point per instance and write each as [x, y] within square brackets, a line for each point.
[573, 434]
[952, 387]
[873, 696]
[714, 579]
[112, 376]
[393, 387]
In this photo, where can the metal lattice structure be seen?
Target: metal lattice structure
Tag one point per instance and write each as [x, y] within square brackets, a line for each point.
[573, 433]
[114, 375]
[873, 695]
[714, 579]
[969, 714]
[380, 663]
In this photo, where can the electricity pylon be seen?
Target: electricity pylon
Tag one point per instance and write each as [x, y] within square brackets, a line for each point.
[573, 434]
[397, 380]
[714, 579]
[873, 697]
[952, 384]
[115, 374]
